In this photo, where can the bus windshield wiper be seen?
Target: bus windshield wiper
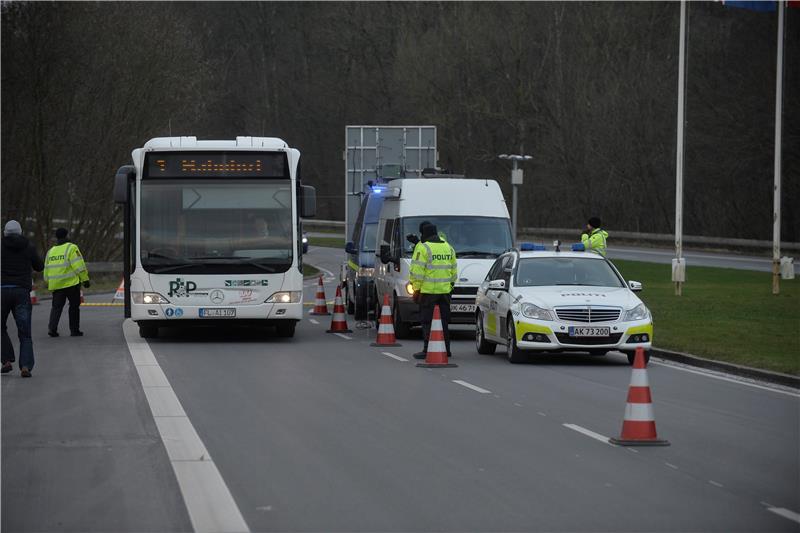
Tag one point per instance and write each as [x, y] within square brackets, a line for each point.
[169, 268]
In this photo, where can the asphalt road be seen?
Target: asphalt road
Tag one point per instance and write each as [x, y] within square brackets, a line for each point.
[326, 433]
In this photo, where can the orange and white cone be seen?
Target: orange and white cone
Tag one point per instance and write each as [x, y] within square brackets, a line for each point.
[34, 297]
[338, 323]
[320, 305]
[120, 294]
[437, 349]
[385, 327]
[639, 424]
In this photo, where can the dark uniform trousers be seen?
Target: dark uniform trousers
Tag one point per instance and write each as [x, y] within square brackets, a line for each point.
[60, 297]
[426, 304]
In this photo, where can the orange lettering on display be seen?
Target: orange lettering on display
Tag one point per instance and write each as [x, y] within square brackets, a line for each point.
[210, 166]
[162, 164]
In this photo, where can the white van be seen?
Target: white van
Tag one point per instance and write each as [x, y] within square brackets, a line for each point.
[472, 215]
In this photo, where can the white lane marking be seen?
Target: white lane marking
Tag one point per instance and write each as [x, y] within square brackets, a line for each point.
[588, 433]
[393, 356]
[671, 466]
[765, 504]
[724, 378]
[715, 483]
[540, 413]
[313, 321]
[210, 505]
[786, 513]
[342, 335]
[518, 404]
[471, 386]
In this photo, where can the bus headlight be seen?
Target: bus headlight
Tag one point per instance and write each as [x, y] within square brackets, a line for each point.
[285, 297]
[148, 298]
[410, 289]
[536, 312]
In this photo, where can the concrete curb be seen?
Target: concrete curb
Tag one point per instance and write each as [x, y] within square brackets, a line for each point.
[777, 378]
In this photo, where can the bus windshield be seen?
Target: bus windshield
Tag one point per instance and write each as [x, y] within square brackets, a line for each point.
[476, 237]
[220, 226]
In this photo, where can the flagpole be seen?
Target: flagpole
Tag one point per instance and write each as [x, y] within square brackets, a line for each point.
[776, 216]
[678, 265]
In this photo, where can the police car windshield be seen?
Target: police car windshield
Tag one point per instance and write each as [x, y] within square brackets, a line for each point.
[476, 237]
[547, 271]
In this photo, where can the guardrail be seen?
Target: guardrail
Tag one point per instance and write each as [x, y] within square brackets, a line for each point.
[574, 233]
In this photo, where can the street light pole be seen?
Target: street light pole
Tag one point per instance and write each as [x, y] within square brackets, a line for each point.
[516, 180]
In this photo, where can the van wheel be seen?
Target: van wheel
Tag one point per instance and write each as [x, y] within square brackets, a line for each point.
[484, 347]
[351, 307]
[513, 352]
[286, 329]
[401, 329]
[148, 332]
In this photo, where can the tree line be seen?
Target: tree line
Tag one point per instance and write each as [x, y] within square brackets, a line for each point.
[588, 89]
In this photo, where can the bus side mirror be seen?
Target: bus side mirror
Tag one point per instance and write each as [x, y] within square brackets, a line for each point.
[308, 201]
[350, 248]
[125, 174]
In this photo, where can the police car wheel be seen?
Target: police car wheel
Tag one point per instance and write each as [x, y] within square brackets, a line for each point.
[632, 357]
[484, 347]
[513, 352]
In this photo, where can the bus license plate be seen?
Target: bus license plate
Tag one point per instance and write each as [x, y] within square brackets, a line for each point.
[218, 312]
[462, 308]
[575, 331]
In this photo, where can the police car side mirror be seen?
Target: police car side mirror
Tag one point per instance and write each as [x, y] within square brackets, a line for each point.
[497, 284]
[384, 254]
[635, 286]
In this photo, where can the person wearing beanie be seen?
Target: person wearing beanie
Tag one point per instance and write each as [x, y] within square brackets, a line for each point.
[65, 271]
[594, 237]
[432, 275]
[18, 261]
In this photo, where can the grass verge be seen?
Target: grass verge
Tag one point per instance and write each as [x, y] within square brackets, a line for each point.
[724, 314]
[328, 242]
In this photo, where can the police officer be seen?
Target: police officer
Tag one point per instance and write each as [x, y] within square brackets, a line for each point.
[594, 237]
[432, 275]
[64, 271]
[19, 258]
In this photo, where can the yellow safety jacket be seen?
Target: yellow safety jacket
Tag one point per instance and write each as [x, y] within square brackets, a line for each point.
[64, 267]
[433, 268]
[596, 241]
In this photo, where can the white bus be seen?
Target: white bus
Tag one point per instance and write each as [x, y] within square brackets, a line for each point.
[212, 233]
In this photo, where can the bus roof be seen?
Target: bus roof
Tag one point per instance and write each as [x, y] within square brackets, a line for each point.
[184, 143]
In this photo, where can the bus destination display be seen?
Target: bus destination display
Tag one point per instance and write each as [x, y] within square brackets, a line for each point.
[216, 164]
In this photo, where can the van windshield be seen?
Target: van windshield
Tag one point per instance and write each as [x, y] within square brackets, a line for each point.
[475, 237]
[368, 240]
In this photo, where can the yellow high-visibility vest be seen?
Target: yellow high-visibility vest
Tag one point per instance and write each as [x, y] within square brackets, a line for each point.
[433, 268]
[595, 242]
[64, 267]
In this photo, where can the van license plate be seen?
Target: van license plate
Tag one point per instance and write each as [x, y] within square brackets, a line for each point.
[462, 308]
[575, 331]
[218, 312]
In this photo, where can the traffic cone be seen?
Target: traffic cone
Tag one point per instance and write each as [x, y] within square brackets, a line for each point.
[320, 305]
[385, 327]
[639, 424]
[34, 297]
[120, 294]
[338, 323]
[437, 349]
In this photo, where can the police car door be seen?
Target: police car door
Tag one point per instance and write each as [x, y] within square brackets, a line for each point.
[495, 322]
[504, 297]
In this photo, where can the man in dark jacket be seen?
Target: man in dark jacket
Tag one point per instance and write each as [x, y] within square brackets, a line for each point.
[18, 261]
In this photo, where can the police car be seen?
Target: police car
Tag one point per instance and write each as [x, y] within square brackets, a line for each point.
[534, 300]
